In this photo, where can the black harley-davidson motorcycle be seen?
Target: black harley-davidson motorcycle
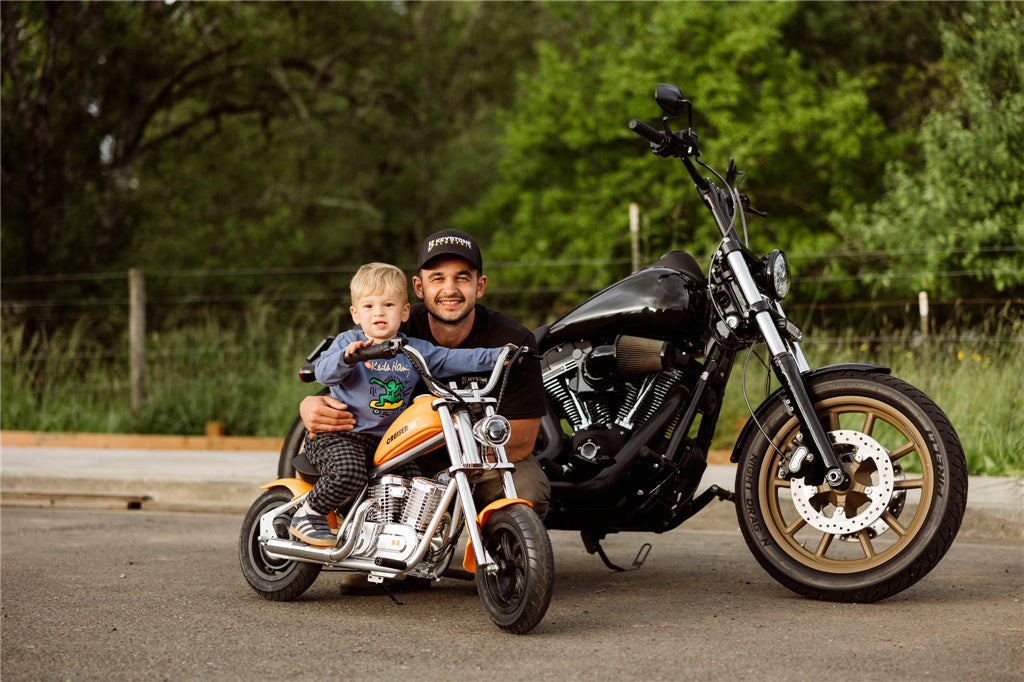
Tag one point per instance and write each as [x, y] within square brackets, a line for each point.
[851, 484]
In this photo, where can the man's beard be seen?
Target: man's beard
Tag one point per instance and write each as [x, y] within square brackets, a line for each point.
[433, 311]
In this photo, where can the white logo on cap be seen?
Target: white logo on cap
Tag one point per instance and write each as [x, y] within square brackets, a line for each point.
[441, 241]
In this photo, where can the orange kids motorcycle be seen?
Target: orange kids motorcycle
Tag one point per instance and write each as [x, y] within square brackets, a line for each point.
[398, 528]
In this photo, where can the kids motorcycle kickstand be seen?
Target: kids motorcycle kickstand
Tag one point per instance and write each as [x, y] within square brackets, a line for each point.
[397, 528]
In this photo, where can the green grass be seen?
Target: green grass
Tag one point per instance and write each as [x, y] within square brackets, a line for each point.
[243, 375]
[978, 383]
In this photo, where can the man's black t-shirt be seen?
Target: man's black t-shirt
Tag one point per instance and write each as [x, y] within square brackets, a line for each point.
[524, 395]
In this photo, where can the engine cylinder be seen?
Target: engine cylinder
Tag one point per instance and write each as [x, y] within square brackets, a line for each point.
[389, 493]
[423, 497]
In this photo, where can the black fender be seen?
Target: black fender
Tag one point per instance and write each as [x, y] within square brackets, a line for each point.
[751, 424]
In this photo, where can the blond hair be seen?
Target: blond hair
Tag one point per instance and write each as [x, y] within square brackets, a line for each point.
[374, 279]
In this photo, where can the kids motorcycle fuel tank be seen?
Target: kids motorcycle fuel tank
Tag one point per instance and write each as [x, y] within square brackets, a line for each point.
[414, 426]
[667, 300]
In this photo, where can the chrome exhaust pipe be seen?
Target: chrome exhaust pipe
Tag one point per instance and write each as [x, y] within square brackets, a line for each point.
[337, 557]
[297, 551]
[290, 549]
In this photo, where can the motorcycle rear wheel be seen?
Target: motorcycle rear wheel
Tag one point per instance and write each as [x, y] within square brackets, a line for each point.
[272, 578]
[517, 596]
[829, 545]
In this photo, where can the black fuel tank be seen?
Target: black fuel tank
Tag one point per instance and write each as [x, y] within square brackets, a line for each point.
[667, 300]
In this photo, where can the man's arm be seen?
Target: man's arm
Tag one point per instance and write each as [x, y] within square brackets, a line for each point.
[322, 413]
[523, 439]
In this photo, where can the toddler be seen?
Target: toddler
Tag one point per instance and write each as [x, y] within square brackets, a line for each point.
[375, 392]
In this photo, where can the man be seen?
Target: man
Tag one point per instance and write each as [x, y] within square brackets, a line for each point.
[449, 280]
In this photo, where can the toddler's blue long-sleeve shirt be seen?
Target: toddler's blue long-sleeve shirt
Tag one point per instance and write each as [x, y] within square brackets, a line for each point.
[376, 396]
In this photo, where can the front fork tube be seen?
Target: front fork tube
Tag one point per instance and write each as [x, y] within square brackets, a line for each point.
[472, 527]
[788, 373]
[464, 455]
[787, 369]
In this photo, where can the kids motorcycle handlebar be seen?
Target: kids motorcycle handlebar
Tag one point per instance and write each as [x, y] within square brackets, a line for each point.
[389, 349]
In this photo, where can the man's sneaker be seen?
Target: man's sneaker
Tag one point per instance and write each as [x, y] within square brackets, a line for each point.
[312, 528]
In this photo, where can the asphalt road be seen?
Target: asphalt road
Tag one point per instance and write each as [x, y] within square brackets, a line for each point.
[143, 595]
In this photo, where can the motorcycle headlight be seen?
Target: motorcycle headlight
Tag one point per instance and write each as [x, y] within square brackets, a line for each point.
[775, 269]
[492, 430]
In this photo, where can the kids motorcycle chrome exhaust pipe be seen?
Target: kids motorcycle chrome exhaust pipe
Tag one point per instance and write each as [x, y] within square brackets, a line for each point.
[290, 549]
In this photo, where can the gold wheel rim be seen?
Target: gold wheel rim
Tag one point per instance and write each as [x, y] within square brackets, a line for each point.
[866, 548]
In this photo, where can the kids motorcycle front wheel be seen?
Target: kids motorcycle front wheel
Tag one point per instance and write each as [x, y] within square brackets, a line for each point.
[895, 521]
[271, 577]
[516, 595]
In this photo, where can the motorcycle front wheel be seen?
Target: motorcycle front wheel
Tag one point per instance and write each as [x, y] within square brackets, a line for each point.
[516, 596]
[890, 527]
[272, 578]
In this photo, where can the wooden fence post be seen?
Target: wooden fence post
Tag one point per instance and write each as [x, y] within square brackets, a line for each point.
[922, 309]
[137, 336]
[634, 234]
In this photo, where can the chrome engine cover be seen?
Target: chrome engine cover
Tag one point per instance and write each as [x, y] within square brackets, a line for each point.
[600, 387]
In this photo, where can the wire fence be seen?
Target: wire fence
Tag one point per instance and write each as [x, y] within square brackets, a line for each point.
[224, 345]
[319, 296]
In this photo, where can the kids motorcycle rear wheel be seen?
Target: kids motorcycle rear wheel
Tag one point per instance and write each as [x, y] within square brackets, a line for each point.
[272, 578]
[894, 523]
[516, 595]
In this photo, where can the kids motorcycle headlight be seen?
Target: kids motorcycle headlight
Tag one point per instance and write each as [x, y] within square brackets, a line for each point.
[492, 430]
[775, 274]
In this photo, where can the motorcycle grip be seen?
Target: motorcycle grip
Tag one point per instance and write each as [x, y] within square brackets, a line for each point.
[653, 134]
[378, 351]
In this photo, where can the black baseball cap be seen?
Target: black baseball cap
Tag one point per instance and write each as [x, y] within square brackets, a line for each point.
[450, 242]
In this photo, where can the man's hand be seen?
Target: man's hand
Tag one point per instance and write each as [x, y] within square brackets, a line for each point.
[322, 413]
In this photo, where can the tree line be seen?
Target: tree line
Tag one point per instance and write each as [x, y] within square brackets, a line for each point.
[188, 136]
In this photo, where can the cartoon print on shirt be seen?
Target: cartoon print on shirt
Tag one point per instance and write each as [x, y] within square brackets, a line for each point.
[390, 398]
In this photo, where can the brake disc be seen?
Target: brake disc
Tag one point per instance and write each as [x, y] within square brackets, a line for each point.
[895, 508]
[825, 509]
